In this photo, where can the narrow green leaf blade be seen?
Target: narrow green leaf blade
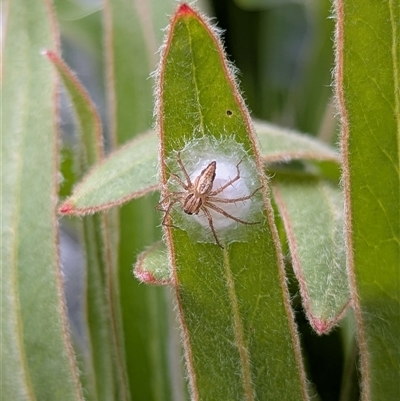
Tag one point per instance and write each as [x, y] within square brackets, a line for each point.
[279, 144]
[102, 307]
[98, 372]
[312, 212]
[237, 326]
[87, 117]
[128, 173]
[368, 89]
[37, 358]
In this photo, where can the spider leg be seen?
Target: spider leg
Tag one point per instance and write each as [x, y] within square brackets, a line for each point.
[169, 225]
[179, 181]
[167, 212]
[226, 185]
[229, 216]
[210, 222]
[234, 200]
[189, 182]
[159, 205]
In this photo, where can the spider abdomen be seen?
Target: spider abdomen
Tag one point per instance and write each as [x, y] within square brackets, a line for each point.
[192, 204]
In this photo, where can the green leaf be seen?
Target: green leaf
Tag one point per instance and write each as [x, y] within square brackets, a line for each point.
[280, 144]
[74, 9]
[98, 372]
[368, 89]
[102, 311]
[67, 171]
[128, 173]
[152, 266]
[88, 120]
[131, 171]
[312, 212]
[237, 325]
[350, 387]
[285, 56]
[36, 353]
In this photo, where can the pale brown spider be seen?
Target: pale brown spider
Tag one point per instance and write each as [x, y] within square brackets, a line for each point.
[198, 195]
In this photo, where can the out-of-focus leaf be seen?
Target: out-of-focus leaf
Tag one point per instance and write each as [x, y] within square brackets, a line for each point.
[234, 308]
[87, 117]
[67, 172]
[280, 145]
[102, 312]
[152, 266]
[75, 9]
[36, 353]
[350, 387]
[368, 89]
[128, 173]
[312, 212]
[294, 65]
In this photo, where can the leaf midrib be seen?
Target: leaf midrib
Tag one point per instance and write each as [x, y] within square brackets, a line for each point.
[238, 331]
[197, 92]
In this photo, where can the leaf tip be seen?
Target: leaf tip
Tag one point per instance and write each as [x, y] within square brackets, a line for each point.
[66, 208]
[146, 277]
[321, 326]
[49, 54]
[184, 9]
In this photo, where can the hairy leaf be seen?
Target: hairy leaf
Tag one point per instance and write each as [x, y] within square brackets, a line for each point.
[312, 212]
[232, 302]
[128, 173]
[368, 89]
[36, 353]
[152, 266]
[105, 374]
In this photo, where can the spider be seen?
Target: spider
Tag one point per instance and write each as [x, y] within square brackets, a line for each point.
[199, 195]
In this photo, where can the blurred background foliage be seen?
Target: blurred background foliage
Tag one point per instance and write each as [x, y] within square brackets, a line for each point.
[284, 53]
